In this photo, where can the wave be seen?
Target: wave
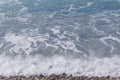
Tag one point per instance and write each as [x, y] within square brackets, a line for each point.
[72, 36]
[57, 65]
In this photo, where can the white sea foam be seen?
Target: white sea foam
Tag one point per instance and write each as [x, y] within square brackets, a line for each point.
[58, 65]
[111, 38]
[5, 1]
[88, 5]
[22, 42]
[55, 30]
[76, 33]
[38, 64]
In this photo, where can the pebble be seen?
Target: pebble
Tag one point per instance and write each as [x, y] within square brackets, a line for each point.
[57, 77]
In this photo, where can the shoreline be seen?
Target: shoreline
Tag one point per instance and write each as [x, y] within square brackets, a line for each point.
[57, 77]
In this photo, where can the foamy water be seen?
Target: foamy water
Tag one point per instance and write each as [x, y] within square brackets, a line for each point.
[43, 37]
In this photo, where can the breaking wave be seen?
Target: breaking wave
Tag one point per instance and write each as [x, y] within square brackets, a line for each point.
[80, 37]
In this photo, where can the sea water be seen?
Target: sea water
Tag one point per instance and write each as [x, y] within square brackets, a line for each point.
[79, 37]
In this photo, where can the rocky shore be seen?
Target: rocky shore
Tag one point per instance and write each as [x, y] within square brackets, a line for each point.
[57, 77]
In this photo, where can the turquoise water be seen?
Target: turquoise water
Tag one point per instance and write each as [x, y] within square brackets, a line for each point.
[60, 31]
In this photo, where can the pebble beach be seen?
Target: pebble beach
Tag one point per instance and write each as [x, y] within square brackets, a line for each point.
[57, 77]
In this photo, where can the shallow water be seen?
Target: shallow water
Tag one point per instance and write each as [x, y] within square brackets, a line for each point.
[52, 36]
